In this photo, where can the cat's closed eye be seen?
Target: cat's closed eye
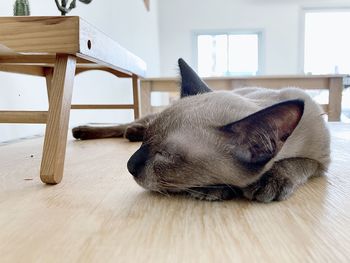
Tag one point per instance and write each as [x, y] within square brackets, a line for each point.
[164, 159]
[162, 153]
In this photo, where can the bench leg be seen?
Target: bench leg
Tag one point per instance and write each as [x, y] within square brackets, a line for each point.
[136, 94]
[60, 97]
[48, 75]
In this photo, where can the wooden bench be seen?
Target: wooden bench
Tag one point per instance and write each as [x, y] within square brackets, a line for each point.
[58, 48]
[333, 83]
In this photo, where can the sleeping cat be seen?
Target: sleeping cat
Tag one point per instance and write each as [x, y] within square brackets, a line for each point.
[257, 143]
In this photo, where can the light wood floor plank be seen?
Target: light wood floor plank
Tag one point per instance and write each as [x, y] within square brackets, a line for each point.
[99, 214]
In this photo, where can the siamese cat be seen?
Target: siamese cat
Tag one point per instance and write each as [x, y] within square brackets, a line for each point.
[217, 145]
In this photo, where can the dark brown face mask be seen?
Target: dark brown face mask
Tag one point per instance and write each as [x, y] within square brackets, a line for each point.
[138, 160]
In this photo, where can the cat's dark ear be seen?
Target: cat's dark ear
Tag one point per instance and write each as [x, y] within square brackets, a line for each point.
[259, 137]
[191, 83]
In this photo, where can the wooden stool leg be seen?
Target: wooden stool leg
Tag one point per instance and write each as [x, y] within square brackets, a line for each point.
[48, 75]
[60, 97]
[136, 92]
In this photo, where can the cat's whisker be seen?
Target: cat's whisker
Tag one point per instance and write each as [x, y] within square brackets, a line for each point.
[161, 192]
[174, 186]
[210, 195]
[189, 189]
[197, 193]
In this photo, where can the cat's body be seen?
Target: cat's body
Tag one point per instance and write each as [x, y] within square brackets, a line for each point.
[255, 142]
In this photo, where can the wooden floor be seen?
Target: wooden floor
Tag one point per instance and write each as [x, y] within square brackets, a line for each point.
[99, 214]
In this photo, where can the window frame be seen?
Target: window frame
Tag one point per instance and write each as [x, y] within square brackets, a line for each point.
[302, 19]
[261, 44]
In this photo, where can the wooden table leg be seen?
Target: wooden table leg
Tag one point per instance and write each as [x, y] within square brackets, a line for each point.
[52, 163]
[335, 99]
[146, 107]
[136, 92]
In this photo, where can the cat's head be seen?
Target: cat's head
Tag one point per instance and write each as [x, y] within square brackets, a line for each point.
[211, 138]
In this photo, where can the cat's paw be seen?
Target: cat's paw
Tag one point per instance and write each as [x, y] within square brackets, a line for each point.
[81, 132]
[215, 193]
[269, 188]
[135, 132]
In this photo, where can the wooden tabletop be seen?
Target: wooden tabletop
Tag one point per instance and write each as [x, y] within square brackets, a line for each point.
[260, 77]
[36, 40]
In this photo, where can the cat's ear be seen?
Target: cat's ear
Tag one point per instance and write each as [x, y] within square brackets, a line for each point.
[191, 83]
[259, 137]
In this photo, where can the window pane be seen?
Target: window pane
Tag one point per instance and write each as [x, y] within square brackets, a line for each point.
[224, 54]
[327, 42]
[243, 54]
[205, 55]
[220, 51]
[212, 55]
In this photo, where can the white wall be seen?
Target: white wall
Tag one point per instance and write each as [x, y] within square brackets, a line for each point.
[127, 22]
[159, 38]
[279, 21]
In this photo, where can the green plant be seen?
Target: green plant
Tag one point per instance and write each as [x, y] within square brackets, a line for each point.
[21, 8]
[64, 8]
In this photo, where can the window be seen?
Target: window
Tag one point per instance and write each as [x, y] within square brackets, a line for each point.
[228, 54]
[327, 49]
[327, 42]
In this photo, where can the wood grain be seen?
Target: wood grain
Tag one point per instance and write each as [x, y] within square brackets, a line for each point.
[23, 69]
[136, 95]
[333, 83]
[87, 67]
[229, 83]
[30, 59]
[58, 118]
[40, 34]
[335, 99]
[145, 90]
[48, 77]
[227, 78]
[99, 214]
[36, 39]
[23, 117]
[102, 106]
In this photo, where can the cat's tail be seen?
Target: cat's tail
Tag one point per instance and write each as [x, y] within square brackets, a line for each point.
[133, 131]
[86, 132]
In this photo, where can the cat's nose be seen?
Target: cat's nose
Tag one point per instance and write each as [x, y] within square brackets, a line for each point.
[138, 160]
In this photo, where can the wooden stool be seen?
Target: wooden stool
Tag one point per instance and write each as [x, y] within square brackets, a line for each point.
[58, 48]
